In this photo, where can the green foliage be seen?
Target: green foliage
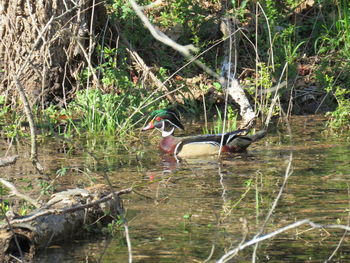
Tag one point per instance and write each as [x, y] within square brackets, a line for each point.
[114, 68]
[115, 227]
[3, 190]
[290, 45]
[25, 208]
[4, 109]
[335, 33]
[113, 107]
[231, 124]
[4, 206]
[262, 86]
[240, 9]
[187, 222]
[339, 120]
[100, 112]
[62, 171]
[9, 120]
[45, 187]
[12, 131]
[189, 15]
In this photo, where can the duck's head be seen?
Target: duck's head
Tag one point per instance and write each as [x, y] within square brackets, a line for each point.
[164, 120]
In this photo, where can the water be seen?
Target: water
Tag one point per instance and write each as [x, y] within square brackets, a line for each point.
[181, 212]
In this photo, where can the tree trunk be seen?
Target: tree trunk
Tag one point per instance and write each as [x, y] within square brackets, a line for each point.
[39, 46]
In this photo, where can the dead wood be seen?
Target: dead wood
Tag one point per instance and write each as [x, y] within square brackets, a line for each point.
[61, 218]
[234, 89]
[30, 118]
[8, 160]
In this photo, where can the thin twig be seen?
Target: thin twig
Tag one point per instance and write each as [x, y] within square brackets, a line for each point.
[253, 241]
[184, 50]
[21, 91]
[36, 43]
[211, 254]
[90, 66]
[119, 209]
[190, 60]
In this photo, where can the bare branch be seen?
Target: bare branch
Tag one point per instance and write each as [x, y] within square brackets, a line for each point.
[160, 36]
[24, 99]
[21, 90]
[255, 240]
[15, 192]
[29, 114]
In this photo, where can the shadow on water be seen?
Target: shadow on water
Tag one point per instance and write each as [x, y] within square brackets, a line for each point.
[198, 205]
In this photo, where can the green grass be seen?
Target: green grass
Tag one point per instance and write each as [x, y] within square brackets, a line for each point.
[218, 125]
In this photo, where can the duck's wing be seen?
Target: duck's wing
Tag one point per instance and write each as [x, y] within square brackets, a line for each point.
[212, 138]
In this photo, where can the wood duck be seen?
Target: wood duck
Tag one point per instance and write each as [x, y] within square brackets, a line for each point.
[167, 120]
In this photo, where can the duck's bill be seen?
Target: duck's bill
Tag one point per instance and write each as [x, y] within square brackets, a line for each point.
[148, 127]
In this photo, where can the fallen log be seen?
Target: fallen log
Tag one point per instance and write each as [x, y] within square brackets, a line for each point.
[228, 27]
[60, 219]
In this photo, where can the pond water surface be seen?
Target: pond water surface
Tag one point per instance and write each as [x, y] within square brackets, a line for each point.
[199, 209]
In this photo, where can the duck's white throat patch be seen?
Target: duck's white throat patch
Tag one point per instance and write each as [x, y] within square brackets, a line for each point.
[166, 133]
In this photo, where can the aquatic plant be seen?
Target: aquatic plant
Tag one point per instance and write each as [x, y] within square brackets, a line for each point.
[218, 125]
[95, 111]
[339, 119]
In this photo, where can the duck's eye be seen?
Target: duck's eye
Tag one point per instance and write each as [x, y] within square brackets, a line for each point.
[158, 118]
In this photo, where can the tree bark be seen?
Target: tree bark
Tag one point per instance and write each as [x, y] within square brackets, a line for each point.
[229, 68]
[38, 44]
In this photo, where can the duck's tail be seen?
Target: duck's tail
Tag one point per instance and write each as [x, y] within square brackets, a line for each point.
[241, 143]
[257, 136]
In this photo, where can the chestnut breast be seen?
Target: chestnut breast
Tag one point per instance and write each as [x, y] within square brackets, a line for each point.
[168, 144]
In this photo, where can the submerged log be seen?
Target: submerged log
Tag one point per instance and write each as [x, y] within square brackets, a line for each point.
[61, 218]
